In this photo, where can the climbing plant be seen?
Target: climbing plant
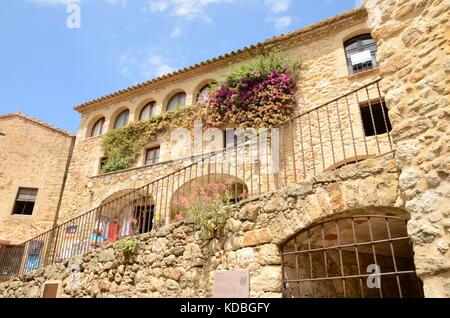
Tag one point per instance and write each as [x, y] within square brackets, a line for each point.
[122, 146]
[259, 93]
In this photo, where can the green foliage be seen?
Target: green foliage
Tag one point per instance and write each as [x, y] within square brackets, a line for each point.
[260, 93]
[210, 217]
[207, 206]
[262, 66]
[128, 247]
[122, 146]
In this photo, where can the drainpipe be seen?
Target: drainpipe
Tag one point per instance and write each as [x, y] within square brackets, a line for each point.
[58, 208]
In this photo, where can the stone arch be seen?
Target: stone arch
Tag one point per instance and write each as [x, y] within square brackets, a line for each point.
[140, 107]
[335, 256]
[94, 120]
[170, 95]
[338, 196]
[134, 205]
[349, 161]
[216, 186]
[116, 113]
[199, 86]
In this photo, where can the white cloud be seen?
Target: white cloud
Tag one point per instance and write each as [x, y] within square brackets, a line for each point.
[278, 6]
[54, 2]
[156, 6]
[144, 65]
[176, 32]
[281, 23]
[186, 9]
[67, 2]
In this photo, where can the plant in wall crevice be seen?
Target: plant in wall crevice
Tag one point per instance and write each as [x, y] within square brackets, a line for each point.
[128, 247]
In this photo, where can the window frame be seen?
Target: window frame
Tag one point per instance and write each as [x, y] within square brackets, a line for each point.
[380, 113]
[102, 120]
[200, 91]
[125, 111]
[152, 113]
[360, 47]
[168, 107]
[155, 159]
[13, 213]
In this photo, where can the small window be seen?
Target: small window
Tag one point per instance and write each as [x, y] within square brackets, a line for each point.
[97, 130]
[361, 53]
[380, 124]
[102, 164]
[152, 156]
[25, 201]
[203, 94]
[148, 111]
[177, 101]
[122, 119]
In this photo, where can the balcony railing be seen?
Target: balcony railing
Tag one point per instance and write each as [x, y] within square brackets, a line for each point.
[346, 130]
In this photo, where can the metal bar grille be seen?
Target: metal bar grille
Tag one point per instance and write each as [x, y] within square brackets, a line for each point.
[364, 256]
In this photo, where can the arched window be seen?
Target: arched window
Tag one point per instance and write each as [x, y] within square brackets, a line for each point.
[361, 53]
[122, 119]
[97, 129]
[148, 111]
[179, 100]
[203, 94]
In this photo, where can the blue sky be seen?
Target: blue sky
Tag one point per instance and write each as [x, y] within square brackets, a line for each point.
[47, 68]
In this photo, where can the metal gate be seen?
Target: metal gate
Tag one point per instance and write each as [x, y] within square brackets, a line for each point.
[366, 256]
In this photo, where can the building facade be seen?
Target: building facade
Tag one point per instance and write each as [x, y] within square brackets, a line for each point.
[360, 185]
[33, 161]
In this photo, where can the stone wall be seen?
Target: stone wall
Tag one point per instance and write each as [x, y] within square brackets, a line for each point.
[414, 57]
[176, 261]
[32, 155]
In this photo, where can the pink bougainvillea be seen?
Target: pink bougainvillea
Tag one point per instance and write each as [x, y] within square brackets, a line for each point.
[258, 98]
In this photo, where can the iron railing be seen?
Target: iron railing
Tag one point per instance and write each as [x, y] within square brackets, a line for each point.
[322, 138]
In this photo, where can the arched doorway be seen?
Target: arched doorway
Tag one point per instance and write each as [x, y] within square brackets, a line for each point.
[363, 256]
[226, 188]
[126, 213]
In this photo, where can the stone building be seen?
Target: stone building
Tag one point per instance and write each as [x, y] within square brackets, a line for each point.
[361, 181]
[33, 160]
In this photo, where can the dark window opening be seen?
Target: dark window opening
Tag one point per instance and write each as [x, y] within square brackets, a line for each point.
[361, 53]
[25, 201]
[375, 119]
[152, 156]
[103, 162]
[144, 218]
